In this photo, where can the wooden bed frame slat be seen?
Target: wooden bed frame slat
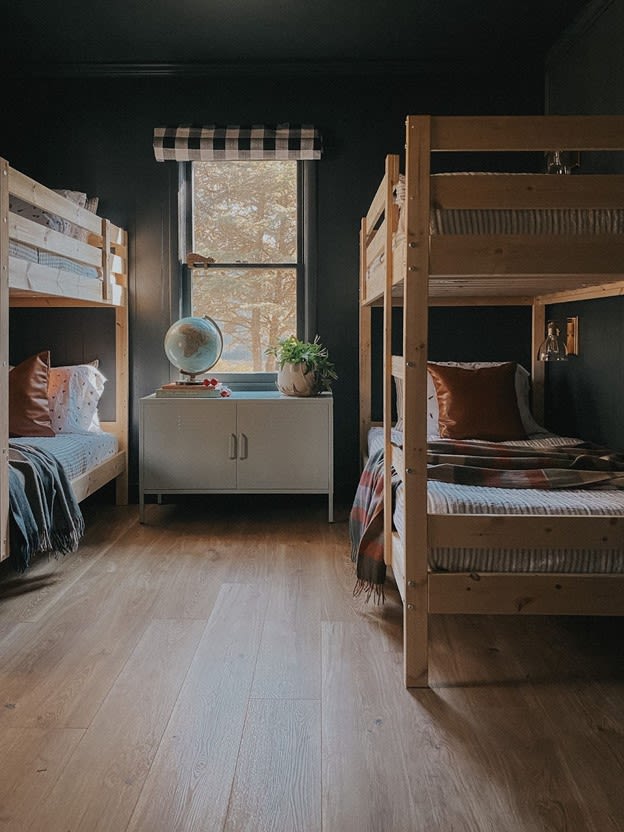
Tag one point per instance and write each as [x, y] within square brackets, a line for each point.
[530, 191]
[494, 593]
[526, 133]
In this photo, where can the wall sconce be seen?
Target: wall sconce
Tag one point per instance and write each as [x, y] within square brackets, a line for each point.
[557, 347]
[562, 161]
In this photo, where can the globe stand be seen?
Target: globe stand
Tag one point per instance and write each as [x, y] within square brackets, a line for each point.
[192, 379]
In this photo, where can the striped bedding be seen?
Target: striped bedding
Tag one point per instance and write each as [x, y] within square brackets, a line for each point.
[518, 221]
[77, 452]
[445, 498]
[54, 261]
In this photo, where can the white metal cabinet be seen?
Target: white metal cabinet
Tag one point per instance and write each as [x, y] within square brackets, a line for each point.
[252, 442]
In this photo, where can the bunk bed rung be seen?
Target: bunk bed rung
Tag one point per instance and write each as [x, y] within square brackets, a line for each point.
[520, 254]
[525, 133]
[526, 594]
[525, 531]
[525, 191]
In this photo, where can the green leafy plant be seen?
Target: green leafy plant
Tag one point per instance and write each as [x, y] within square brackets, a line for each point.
[310, 353]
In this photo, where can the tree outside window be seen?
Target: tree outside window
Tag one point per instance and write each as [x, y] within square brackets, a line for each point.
[245, 217]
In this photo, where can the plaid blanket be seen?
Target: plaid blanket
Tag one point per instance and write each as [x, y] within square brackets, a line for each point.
[366, 529]
[583, 465]
[579, 466]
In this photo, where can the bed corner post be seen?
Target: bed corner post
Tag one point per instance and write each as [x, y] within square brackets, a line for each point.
[4, 359]
[365, 378]
[538, 325]
[122, 396]
[415, 337]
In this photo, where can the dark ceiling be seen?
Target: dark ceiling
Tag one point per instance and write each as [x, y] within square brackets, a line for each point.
[433, 34]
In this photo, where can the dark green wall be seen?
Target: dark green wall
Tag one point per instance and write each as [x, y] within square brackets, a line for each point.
[94, 134]
[585, 74]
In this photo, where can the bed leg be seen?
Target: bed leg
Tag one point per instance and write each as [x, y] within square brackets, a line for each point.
[416, 638]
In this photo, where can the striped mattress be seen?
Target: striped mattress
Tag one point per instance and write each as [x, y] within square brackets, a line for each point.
[45, 258]
[77, 452]
[518, 221]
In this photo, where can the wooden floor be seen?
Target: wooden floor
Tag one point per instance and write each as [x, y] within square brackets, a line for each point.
[211, 670]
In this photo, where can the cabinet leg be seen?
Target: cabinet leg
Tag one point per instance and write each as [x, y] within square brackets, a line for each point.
[141, 507]
[330, 508]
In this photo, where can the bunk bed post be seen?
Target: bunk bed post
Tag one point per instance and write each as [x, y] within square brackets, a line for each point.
[365, 351]
[122, 393]
[538, 322]
[391, 177]
[4, 358]
[415, 334]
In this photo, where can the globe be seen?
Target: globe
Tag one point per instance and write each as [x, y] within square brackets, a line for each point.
[194, 345]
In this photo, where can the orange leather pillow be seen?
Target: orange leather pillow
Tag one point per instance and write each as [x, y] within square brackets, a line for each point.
[29, 412]
[477, 403]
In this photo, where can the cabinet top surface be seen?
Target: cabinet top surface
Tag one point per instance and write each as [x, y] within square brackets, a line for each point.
[238, 395]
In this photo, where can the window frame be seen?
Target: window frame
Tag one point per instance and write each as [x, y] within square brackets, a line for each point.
[305, 266]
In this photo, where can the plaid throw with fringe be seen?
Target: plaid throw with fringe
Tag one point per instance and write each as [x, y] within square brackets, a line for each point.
[580, 466]
[366, 529]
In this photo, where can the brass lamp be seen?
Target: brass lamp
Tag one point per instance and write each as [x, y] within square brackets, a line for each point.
[553, 347]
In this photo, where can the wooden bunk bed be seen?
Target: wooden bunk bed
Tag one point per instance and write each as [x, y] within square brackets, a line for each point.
[79, 260]
[417, 268]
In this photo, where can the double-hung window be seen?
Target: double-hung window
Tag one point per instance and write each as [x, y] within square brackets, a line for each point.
[253, 222]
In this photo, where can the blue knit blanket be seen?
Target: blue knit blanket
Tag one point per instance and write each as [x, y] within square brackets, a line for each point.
[44, 515]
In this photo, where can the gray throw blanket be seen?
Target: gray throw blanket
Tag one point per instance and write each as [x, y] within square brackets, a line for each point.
[44, 515]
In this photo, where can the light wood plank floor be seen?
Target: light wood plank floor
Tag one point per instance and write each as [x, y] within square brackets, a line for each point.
[212, 670]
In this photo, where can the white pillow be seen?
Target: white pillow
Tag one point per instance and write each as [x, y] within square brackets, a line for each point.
[73, 396]
[522, 381]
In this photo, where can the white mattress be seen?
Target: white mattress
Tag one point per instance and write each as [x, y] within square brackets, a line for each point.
[78, 453]
[446, 498]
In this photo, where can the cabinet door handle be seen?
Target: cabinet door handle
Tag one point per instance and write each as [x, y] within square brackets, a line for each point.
[233, 448]
[243, 444]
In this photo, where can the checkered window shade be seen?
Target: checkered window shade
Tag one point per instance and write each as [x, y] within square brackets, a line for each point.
[192, 143]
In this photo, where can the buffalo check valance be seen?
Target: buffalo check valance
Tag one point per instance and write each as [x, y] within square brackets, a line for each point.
[193, 143]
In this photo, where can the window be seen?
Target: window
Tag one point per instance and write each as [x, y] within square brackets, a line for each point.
[253, 219]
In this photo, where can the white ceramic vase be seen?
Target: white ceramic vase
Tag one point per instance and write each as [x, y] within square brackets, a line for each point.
[293, 380]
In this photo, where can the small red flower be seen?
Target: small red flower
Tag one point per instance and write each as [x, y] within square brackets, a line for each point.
[225, 393]
[206, 383]
[213, 382]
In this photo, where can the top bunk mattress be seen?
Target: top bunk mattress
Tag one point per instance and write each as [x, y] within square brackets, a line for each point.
[516, 221]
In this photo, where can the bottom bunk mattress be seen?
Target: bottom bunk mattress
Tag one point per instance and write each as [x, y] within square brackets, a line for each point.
[452, 498]
[76, 452]
[44, 515]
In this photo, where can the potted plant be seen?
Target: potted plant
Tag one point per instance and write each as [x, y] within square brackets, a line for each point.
[304, 368]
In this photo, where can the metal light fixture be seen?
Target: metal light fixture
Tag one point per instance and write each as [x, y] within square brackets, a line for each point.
[557, 347]
[562, 161]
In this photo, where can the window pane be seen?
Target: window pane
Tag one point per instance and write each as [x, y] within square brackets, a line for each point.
[245, 212]
[253, 308]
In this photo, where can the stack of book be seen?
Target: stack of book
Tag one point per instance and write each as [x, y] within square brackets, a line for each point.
[195, 391]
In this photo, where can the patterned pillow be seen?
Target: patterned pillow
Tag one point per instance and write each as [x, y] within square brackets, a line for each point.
[24, 209]
[89, 203]
[73, 396]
